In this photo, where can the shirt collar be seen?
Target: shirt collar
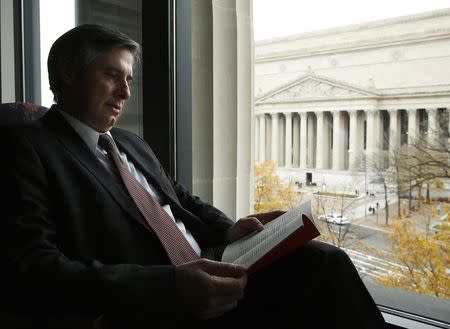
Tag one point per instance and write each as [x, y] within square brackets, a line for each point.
[89, 135]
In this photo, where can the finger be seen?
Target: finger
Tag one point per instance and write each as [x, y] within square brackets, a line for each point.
[224, 269]
[232, 288]
[251, 223]
[277, 213]
[219, 310]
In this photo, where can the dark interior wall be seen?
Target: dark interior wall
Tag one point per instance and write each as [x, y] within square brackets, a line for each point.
[158, 70]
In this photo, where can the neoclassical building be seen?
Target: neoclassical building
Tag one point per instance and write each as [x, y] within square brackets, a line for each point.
[325, 99]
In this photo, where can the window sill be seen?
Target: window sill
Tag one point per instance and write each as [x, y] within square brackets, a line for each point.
[406, 309]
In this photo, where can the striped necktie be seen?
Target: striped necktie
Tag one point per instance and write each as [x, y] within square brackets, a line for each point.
[177, 247]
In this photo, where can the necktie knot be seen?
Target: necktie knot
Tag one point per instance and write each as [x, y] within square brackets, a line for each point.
[106, 142]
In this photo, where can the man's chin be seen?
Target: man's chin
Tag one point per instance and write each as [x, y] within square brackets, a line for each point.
[106, 126]
[112, 122]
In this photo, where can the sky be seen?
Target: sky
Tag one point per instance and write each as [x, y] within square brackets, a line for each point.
[276, 18]
[52, 26]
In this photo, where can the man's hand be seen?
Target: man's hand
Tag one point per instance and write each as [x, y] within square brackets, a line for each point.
[249, 224]
[266, 217]
[207, 289]
[243, 227]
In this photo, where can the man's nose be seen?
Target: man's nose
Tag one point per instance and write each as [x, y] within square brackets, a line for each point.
[123, 90]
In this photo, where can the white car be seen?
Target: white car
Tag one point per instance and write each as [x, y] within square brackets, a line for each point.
[337, 219]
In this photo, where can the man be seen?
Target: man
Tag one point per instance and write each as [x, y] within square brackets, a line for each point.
[77, 234]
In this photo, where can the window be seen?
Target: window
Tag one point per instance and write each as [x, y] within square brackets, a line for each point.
[333, 100]
[357, 72]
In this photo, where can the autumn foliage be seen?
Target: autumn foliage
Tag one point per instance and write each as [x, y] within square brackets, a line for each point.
[270, 192]
[422, 260]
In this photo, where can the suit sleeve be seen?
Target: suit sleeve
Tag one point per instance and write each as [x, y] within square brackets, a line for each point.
[215, 219]
[35, 269]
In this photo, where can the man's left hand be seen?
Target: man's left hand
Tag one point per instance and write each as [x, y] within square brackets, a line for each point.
[243, 227]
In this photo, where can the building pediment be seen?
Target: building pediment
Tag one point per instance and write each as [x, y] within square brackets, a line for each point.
[312, 87]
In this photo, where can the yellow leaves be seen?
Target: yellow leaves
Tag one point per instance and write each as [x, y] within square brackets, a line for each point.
[270, 192]
[422, 261]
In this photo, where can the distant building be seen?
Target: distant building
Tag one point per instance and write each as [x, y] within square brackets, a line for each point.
[326, 98]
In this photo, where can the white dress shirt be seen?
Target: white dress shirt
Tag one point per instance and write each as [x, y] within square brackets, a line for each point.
[90, 137]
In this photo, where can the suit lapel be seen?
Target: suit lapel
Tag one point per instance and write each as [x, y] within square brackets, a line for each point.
[150, 169]
[154, 175]
[76, 146]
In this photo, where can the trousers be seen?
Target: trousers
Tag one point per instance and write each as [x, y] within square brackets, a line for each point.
[316, 286]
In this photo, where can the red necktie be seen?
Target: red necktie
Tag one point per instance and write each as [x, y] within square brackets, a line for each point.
[177, 247]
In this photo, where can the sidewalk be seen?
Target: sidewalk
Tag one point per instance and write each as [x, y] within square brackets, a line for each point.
[423, 217]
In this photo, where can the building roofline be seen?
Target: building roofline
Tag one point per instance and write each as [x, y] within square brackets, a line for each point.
[357, 27]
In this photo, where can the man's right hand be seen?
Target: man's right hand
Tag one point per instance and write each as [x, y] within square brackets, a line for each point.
[207, 289]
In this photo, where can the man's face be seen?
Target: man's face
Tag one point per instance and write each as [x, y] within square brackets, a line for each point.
[100, 92]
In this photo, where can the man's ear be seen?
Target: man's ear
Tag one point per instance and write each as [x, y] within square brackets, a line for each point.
[66, 74]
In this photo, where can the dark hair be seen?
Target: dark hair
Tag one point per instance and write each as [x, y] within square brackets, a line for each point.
[80, 46]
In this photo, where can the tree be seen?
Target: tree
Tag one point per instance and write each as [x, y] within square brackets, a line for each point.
[424, 163]
[433, 154]
[383, 176]
[429, 159]
[421, 260]
[395, 179]
[270, 192]
[340, 236]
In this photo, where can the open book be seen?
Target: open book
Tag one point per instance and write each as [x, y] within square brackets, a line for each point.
[280, 236]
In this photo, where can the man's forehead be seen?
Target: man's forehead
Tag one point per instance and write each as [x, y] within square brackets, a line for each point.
[117, 57]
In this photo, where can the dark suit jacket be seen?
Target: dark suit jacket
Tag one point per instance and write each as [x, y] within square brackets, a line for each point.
[71, 234]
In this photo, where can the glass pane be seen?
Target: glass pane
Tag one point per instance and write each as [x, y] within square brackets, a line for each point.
[350, 113]
[125, 16]
[51, 27]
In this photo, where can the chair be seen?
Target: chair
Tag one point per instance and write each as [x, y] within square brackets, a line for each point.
[12, 318]
[12, 113]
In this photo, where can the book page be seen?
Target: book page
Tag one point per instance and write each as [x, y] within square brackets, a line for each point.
[249, 249]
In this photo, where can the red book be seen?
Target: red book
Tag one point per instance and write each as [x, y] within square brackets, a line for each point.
[279, 237]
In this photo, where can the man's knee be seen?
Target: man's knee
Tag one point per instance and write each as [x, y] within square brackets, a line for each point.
[329, 254]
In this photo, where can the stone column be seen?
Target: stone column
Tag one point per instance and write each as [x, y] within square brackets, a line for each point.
[338, 163]
[311, 135]
[225, 105]
[379, 130]
[320, 133]
[245, 99]
[394, 137]
[262, 137]
[288, 140]
[371, 137]
[394, 134]
[326, 141]
[274, 142]
[353, 143]
[412, 125]
[433, 129]
[303, 130]
[295, 140]
[281, 140]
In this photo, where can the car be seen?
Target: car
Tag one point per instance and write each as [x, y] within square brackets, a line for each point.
[337, 219]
